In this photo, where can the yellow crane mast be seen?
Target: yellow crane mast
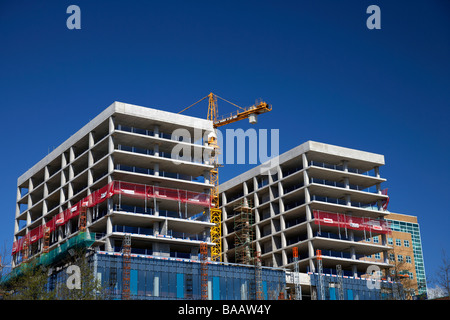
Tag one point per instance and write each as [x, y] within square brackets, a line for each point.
[251, 113]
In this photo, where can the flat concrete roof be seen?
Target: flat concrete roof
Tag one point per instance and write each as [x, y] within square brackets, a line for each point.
[321, 152]
[119, 108]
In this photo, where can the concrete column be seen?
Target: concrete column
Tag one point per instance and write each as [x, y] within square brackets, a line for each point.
[304, 160]
[345, 165]
[109, 225]
[30, 185]
[351, 235]
[90, 158]
[224, 197]
[311, 255]
[62, 197]
[72, 153]
[156, 131]
[63, 160]
[109, 229]
[206, 176]
[346, 183]
[91, 139]
[90, 177]
[156, 150]
[377, 171]
[44, 209]
[111, 124]
[354, 270]
[348, 200]
[156, 207]
[284, 259]
[63, 178]
[46, 173]
[71, 172]
[256, 202]
[69, 190]
[245, 188]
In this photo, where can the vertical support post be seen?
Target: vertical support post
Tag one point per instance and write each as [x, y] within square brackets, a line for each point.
[126, 265]
[321, 286]
[297, 287]
[204, 270]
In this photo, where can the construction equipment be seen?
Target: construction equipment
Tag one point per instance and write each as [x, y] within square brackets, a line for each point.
[83, 218]
[126, 266]
[298, 288]
[340, 278]
[204, 270]
[46, 245]
[243, 233]
[259, 295]
[251, 113]
[321, 284]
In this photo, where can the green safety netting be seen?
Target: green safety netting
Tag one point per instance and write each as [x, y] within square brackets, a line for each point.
[80, 241]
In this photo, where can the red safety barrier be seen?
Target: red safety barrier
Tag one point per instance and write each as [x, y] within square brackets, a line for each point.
[350, 222]
[115, 187]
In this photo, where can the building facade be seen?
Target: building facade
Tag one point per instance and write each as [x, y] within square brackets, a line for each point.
[121, 170]
[407, 253]
[138, 178]
[317, 197]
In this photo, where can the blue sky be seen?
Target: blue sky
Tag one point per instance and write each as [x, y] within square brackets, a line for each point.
[328, 77]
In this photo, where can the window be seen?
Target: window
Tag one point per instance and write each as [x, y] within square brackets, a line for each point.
[406, 243]
[376, 240]
[408, 259]
[391, 257]
[400, 258]
[377, 256]
[411, 275]
[390, 241]
[398, 242]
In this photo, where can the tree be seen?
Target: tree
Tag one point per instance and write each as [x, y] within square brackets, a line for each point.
[399, 273]
[30, 284]
[442, 275]
[89, 285]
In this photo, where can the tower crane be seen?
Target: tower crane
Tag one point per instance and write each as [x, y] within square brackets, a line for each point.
[250, 113]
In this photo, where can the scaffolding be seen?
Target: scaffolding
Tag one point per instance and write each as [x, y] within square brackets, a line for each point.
[243, 233]
[258, 277]
[46, 244]
[244, 246]
[204, 270]
[340, 280]
[297, 287]
[126, 256]
[321, 284]
[83, 218]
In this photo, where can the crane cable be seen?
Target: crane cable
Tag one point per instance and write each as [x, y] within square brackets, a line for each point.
[207, 97]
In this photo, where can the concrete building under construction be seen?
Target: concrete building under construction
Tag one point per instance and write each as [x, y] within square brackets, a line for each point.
[144, 213]
[312, 212]
[117, 187]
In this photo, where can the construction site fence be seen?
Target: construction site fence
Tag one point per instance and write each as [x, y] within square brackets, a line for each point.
[114, 188]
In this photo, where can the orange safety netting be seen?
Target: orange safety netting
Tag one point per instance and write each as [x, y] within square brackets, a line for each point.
[351, 222]
[100, 195]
